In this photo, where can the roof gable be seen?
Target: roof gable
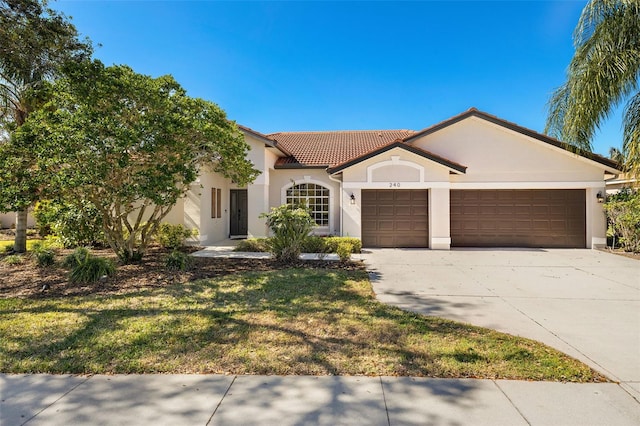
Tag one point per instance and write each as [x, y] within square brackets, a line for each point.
[452, 166]
[610, 165]
[267, 140]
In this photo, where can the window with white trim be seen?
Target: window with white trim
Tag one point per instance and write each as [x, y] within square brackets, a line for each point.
[314, 197]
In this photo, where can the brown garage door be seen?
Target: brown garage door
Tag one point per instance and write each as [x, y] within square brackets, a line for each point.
[518, 218]
[395, 218]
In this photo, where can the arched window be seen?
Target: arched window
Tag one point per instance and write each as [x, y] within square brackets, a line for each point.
[314, 197]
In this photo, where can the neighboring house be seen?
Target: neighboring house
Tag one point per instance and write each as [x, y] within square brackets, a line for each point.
[8, 220]
[616, 183]
[473, 180]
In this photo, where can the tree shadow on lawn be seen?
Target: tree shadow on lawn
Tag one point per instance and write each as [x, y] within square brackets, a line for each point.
[282, 322]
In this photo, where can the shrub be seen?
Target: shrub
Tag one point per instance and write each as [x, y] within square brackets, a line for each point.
[333, 242]
[344, 250]
[13, 259]
[177, 261]
[9, 248]
[45, 212]
[253, 245]
[75, 223]
[314, 244]
[44, 256]
[91, 270]
[130, 257]
[173, 236]
[87, 268]
[290, 226]
[79, 255]
[623, 212]
[52, 242]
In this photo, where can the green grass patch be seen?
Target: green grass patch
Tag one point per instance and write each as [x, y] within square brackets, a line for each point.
[292, 321]
[9, 243]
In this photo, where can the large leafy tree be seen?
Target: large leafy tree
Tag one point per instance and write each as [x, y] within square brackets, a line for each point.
[603, 73]
[129, 144]
[35, 41]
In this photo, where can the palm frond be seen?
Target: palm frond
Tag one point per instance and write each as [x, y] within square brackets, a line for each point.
[595, 12]
[603, 72]
[631, 138]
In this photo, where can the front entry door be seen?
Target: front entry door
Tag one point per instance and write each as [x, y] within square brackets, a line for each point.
[238, 208]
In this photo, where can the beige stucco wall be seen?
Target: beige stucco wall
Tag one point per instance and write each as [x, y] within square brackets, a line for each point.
[393, 166]
[399, 169]
[8, 220]
[258, 192]
[283, 178]
[494, 154]
[499, 158]
[495, 157]
[196, 207]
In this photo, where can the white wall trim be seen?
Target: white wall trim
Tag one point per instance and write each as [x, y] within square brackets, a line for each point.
[526, 185]
[308, 179]
[440, 243]
[395, 185]
[395, 161]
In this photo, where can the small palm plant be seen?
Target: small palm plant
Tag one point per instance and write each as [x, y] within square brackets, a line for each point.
[290, 226]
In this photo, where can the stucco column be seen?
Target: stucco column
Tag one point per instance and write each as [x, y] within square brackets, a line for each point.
[439, 219]
[258, 203]
[351, 215]
[596, 219]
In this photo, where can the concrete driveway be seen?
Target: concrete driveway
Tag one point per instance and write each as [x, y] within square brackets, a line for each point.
[585, 303]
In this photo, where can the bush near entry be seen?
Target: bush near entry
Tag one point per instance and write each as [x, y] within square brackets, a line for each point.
[290, 226]
[173, 236]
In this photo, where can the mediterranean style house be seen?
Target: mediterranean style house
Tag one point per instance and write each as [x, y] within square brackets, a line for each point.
[474, 180]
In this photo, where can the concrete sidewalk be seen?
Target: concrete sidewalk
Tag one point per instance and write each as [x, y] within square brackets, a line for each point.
[227, 252]
[306, 400]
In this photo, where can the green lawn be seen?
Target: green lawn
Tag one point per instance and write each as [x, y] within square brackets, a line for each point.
[9, 243]
[292, 321]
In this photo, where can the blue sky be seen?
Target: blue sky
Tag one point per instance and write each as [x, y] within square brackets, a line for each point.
[286, 66]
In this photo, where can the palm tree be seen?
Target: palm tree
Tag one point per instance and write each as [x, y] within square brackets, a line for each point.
[14, 109]
[35, 42]
[616, 155]
[603, 74]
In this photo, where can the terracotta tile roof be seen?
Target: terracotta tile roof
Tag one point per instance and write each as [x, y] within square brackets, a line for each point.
[332, 147]
[268, 141]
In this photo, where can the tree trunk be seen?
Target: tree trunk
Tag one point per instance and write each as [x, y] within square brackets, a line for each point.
[20, 245]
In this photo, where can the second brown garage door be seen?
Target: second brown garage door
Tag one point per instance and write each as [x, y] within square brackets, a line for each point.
[518, 218]
[395, 218]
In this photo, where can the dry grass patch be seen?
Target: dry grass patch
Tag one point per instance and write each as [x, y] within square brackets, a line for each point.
[291, 321]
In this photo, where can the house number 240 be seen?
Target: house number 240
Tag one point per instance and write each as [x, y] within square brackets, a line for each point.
[394, 184]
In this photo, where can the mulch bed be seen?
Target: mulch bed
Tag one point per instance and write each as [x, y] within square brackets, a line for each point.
[26, 280]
